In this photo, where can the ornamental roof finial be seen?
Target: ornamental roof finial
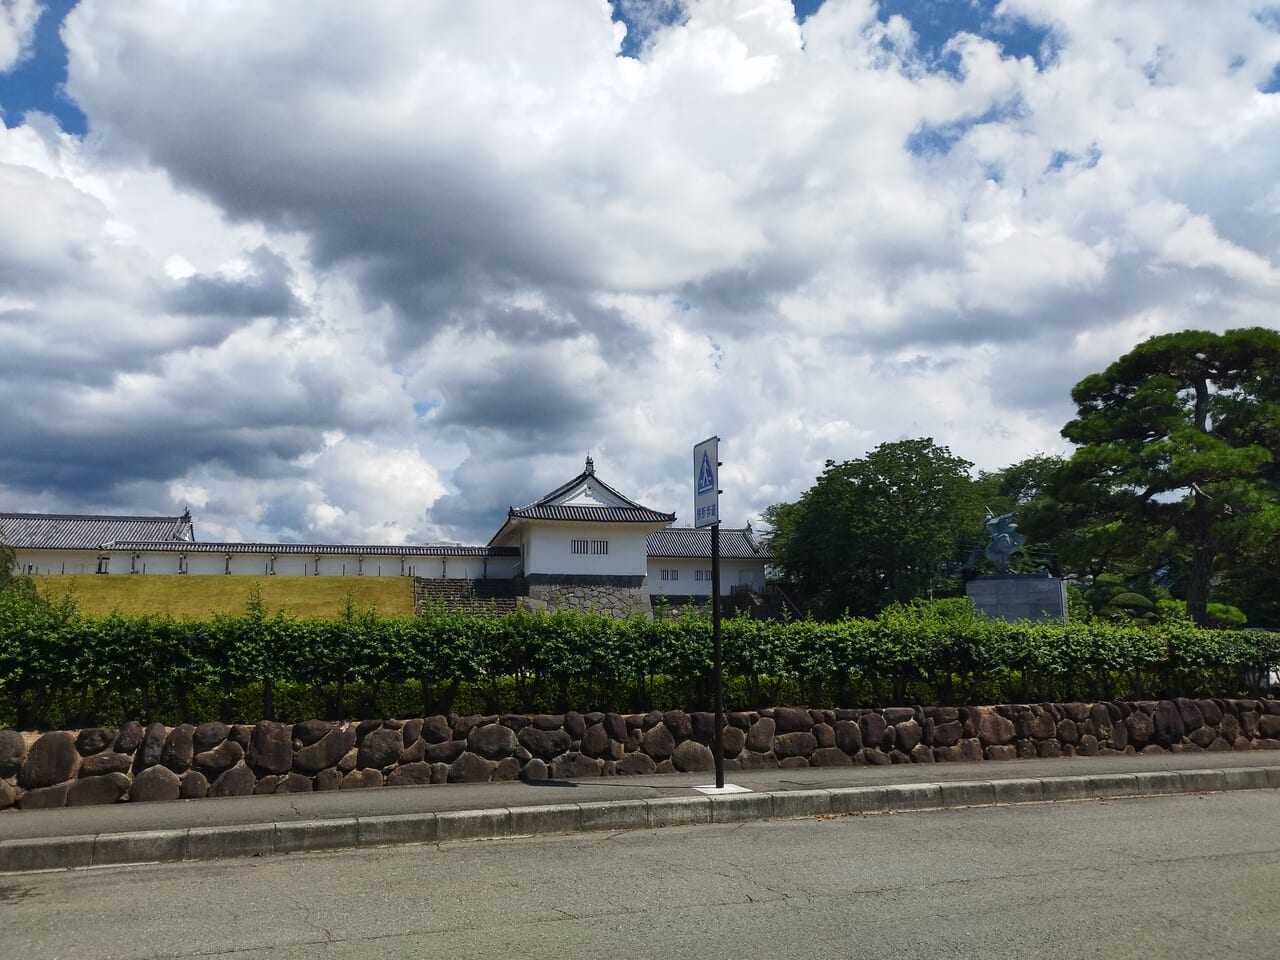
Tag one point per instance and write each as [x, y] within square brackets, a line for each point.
[591, 466]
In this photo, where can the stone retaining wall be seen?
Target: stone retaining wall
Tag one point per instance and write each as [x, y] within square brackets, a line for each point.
[96, 765]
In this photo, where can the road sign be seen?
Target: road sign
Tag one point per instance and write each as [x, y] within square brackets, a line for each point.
[706, 483]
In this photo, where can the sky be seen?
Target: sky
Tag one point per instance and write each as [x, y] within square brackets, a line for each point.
[336, 272]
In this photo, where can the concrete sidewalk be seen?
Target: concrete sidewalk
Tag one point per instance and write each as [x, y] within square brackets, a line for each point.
[254, 826]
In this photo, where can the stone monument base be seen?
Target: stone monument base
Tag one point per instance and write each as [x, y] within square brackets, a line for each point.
[1019, 596]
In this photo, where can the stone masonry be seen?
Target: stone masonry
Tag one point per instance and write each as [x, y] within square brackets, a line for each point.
[137, 763]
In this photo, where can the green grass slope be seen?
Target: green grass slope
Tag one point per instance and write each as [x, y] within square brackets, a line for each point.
[201, 596]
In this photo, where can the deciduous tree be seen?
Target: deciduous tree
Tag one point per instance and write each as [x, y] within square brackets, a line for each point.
[877, 530]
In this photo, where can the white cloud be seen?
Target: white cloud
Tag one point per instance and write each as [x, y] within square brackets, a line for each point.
[17, 29]
[378, 273]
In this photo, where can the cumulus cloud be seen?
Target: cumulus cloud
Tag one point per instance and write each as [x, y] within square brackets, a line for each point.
[18, 20]
[478, 243]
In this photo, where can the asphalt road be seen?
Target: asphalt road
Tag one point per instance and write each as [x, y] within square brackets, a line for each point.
[1180, 876]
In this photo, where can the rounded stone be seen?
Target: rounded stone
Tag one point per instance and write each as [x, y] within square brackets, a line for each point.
[691, 756]
[239, 781]
[93, 740]
[8, 794]
[492, 741]
[679, 723]
[825, 734]
[12, 751]
[271, 747]
[574, 724]
[595, 742]
[362, 780]
[436, 730]
[534, 770]
[760, 735]
[101, 764]
[1140, 728]
[471, 768]
[615, 726]
[108, 788]
[155, 783]
[849, 736]
[52, 759]
[658, 742]
[994, 729]
[570, 766]
[409, 774]
[796, 744]
[380, 748]
[45, 798]
[446, 752]
[129, 738]
[195, 786]
[325, 752]
[508, 768]
[635, 763]
[221, 758]
[179, 748]
[830, 757]
[152, 745]
[209, 735]
[792, 719]
[1167, 722]
[330, 779]
[908, 733]
[310, 731]
[873, 728]
[732, 741]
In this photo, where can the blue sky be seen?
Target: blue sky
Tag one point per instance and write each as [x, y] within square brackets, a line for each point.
[332, 272]
[37, 82]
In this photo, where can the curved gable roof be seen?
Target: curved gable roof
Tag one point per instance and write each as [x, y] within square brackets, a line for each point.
[586, 499]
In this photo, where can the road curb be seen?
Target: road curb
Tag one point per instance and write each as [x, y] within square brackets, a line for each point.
[260, 839]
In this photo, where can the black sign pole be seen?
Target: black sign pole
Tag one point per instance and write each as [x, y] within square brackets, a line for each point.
[718, 667]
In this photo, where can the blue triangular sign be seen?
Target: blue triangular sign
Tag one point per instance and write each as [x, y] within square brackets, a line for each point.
[706, 476]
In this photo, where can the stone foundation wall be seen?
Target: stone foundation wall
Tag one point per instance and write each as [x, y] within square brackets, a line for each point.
[96, 765]
[612, 596]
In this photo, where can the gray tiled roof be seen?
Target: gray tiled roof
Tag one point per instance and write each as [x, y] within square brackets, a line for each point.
[44, 531]
[636, 514]
[311, 549]
[630, 512]
[678, 542]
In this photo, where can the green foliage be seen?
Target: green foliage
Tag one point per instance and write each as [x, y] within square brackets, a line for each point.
[58, 666]
[1176, 470]
[879, 530]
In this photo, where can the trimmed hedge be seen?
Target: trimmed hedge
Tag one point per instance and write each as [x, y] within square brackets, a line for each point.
[58, 667]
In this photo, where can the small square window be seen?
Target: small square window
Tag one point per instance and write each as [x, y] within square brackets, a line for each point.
[578, 546]
[600, 547]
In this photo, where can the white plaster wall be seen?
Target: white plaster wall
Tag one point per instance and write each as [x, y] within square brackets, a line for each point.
[732, 573]
[58, 561]
[152, 563]
[206, 564]
[549, 549]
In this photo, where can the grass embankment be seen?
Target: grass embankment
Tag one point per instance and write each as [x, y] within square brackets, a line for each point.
[198, 597]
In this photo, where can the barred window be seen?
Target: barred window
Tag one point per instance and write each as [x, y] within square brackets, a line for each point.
[578, 546]
[670, 574]
[600, 546]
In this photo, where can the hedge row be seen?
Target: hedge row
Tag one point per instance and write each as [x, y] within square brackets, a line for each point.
[525, 662]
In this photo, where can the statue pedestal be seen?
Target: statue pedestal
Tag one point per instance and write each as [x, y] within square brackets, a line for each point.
[1019, 596]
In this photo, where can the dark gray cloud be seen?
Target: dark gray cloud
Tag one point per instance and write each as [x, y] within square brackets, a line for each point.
[266, 294]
